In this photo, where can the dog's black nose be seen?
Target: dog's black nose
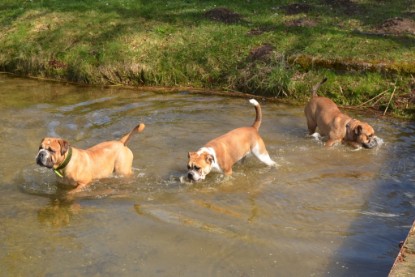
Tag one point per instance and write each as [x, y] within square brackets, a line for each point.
[190, 175]
[39, 159]
[41, 156]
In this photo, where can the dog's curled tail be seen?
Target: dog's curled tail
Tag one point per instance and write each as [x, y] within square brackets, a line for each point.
[258, 118]
[139, 128]
[317, 86]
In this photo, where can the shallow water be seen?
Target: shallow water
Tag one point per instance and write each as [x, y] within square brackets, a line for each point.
[335, 212]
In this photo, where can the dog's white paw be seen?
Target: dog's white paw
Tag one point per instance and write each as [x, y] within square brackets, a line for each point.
[316, 136]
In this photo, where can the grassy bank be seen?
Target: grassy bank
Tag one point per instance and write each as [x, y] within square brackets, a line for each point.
[274, 48]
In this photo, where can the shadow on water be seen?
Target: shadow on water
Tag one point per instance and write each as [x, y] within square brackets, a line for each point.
[371, 250]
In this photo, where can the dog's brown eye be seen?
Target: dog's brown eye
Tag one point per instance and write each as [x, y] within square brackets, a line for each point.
[196, 168]
[51, 150]
[189, 167]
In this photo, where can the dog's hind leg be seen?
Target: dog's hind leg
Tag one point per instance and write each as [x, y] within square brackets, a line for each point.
[261, 153]
[312, 126]
[123, 163]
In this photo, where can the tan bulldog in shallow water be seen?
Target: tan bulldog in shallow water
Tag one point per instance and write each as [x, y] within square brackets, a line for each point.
[78, 167]
[323, 113]
[221, 153]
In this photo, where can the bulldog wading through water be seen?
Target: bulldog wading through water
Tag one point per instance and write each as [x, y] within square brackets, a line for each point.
[221, 153]
[78, 167]
[323, 113]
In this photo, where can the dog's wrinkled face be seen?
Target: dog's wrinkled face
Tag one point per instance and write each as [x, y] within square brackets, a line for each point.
[51, 152]
[364, 134]
[199, 165]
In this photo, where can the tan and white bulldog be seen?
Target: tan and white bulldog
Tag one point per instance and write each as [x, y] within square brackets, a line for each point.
[78, 167]
[323, 113]
[221, 153]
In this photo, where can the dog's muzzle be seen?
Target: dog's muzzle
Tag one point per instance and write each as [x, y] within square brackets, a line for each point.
[190, 175]
[43, 158]
[194, 176]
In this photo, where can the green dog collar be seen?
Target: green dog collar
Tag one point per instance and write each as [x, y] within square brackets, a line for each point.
[64, 164]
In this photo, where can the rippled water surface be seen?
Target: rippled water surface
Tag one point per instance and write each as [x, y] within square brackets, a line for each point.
[322, 212]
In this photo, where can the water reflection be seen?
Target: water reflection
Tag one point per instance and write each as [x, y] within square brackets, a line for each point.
[58, 213]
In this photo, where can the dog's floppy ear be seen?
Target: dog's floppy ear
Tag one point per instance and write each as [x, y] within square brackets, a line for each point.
[209, 159]
[64, 146]
[358, 130]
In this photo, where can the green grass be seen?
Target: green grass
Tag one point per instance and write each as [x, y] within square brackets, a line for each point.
[172, 43]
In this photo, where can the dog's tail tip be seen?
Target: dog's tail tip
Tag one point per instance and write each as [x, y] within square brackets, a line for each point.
[258, 116]
[254, 102]
[140, 127]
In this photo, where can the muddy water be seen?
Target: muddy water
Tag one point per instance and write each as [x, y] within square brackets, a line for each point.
[322, 212]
